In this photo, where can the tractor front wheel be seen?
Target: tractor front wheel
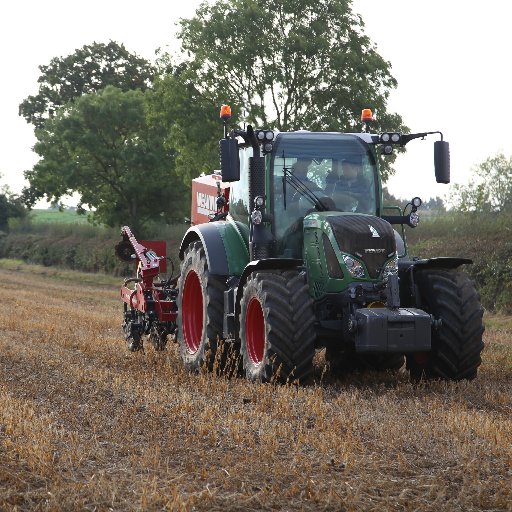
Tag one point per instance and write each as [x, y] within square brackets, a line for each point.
[452, 299]
[200, 310]
[277, 327]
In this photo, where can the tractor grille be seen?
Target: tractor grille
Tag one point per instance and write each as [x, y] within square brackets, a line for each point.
[357, 235]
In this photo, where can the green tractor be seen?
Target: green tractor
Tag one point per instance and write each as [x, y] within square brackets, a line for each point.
[292, 251]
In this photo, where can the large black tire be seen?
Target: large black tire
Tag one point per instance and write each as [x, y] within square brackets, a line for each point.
[450, 296]
[277, 327]
[200, 311]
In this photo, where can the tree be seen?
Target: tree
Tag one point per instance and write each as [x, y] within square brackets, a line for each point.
[489, 188]
[90, 69]
[435, 204]
[11, 207]
[390, 199]
[102, 147]
[291, 64]
[190, 120]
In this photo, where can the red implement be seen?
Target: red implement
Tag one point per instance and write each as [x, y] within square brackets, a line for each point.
[150, 305]
[148, 296]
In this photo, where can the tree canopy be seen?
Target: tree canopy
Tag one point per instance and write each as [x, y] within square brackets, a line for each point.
[190, 120]
[11, 207]
[102, 147]
[118, 130]
[489, 188]
[291, 64]
[89, 69]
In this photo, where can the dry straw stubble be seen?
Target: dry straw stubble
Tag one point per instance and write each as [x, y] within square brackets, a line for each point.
[86, 425]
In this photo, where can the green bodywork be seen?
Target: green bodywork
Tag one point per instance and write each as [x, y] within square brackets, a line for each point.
[315, 258]
[235, 237]
[225, 243]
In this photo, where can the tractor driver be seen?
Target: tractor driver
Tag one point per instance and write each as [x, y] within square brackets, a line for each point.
[349, 188]
[300, 171]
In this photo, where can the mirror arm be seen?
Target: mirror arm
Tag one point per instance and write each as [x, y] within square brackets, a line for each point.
[404, 139]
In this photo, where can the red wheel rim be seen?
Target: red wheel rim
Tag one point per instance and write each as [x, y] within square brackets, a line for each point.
[255, 331]
[192, 312]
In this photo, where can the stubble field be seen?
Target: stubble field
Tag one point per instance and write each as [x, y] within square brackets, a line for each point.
[85, 425]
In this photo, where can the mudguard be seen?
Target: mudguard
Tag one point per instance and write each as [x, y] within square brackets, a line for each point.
[407, 268]
[224, 243]
[442, 262]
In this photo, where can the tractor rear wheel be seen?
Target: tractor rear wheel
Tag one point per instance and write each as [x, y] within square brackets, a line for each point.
[277, 327]
[200, 310]
[450, 296]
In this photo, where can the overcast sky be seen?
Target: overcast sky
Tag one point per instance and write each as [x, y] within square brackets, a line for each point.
[451, 60]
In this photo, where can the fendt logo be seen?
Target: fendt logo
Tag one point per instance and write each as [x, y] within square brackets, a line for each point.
[206, 203]
[374, 232]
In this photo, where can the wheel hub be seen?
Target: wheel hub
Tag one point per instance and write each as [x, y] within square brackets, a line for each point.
[255, 331]
[192, 313]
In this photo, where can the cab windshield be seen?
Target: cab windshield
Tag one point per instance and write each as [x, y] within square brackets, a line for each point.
[321, 172]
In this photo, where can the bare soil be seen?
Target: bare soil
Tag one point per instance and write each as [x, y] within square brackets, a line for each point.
[86, 425]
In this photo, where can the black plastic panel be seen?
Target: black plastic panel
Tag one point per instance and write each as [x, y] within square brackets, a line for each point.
[369, 238]
[392, 330]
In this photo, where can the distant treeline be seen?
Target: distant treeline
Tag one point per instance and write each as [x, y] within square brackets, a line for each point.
[80, 247]
[484, 238]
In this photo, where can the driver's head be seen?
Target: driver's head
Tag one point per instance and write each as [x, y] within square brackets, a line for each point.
[352, 166]
[300, 167]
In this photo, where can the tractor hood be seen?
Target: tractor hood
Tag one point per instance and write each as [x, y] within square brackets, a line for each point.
[369, 238]
[345, 247]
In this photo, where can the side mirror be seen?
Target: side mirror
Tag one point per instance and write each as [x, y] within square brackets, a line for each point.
[229, 160]
[442, 161]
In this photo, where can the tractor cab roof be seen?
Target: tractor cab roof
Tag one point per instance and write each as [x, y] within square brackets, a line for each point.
[313, 145]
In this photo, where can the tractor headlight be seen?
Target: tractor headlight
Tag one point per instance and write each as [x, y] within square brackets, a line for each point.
[256, 217]
[416, 202]
[414, 219]
[394, 137]
[390, 268]
[386, 149]
[355, 268]
[262, 135]
[259, 201]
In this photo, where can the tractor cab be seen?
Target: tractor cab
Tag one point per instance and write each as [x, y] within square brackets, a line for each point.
[318, 172]
[303, 173]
